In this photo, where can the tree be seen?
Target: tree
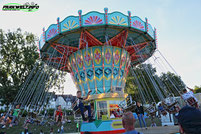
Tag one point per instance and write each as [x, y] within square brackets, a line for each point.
[138, 83]
[18, 53]
[172, 82]
[197, 89]
[144, 84]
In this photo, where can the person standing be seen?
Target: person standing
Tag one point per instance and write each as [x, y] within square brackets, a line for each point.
[140, 113]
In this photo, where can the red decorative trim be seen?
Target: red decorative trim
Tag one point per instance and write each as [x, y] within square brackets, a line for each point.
[107, 132]
[60, 48]
[56, 60]
[135, 48]
[136, 57]
[119, 40]
[88, 38]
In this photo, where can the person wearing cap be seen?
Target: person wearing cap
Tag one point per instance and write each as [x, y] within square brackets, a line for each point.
[128, 121]
[189, 119]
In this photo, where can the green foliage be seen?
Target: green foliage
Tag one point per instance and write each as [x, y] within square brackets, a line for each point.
[18, 53]
[51, 112]
[197, 89]
[169, 78]
[2, 111]
[24, 113]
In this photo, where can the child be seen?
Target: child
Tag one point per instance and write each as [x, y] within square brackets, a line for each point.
[153, 124]
[59, 114]
[81, 106]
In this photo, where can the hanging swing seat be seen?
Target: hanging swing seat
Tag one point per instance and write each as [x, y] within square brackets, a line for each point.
[192, 102]
[127, 104]
[151, 110]
[128, 107]
[173, 108]
[164, 113]
[162, 109]
[77, 112]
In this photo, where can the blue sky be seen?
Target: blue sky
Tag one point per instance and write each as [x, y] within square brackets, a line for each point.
[178, 24]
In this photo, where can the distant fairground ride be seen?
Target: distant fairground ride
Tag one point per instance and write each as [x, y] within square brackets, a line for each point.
[97, 49]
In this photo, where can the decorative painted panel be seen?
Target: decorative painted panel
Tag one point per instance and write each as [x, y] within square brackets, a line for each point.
[150, 31]
[69, 23]
[86, 53]
[118, 19]
[93, 18]
[108, 60]
[97, 58]
[116, 70]
[122, 67]
[81, 71]
[137, 23]
[88, 70]
[51, 32]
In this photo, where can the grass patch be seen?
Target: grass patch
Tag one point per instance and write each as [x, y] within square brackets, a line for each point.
[68, 127]
[35, 129]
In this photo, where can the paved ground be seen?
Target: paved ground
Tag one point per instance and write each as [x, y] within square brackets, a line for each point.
[160, 130]
[156, 130]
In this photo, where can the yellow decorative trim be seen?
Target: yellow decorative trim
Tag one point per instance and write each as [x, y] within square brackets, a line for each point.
[108, 77]
[99, 79]
[107, 96]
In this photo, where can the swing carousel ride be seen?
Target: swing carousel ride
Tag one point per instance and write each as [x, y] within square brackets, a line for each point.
[98, 50]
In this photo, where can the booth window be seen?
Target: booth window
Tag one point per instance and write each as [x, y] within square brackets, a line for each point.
[115, 110]
[102, 110]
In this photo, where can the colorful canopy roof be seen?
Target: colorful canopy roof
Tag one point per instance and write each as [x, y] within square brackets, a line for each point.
[98, 29]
